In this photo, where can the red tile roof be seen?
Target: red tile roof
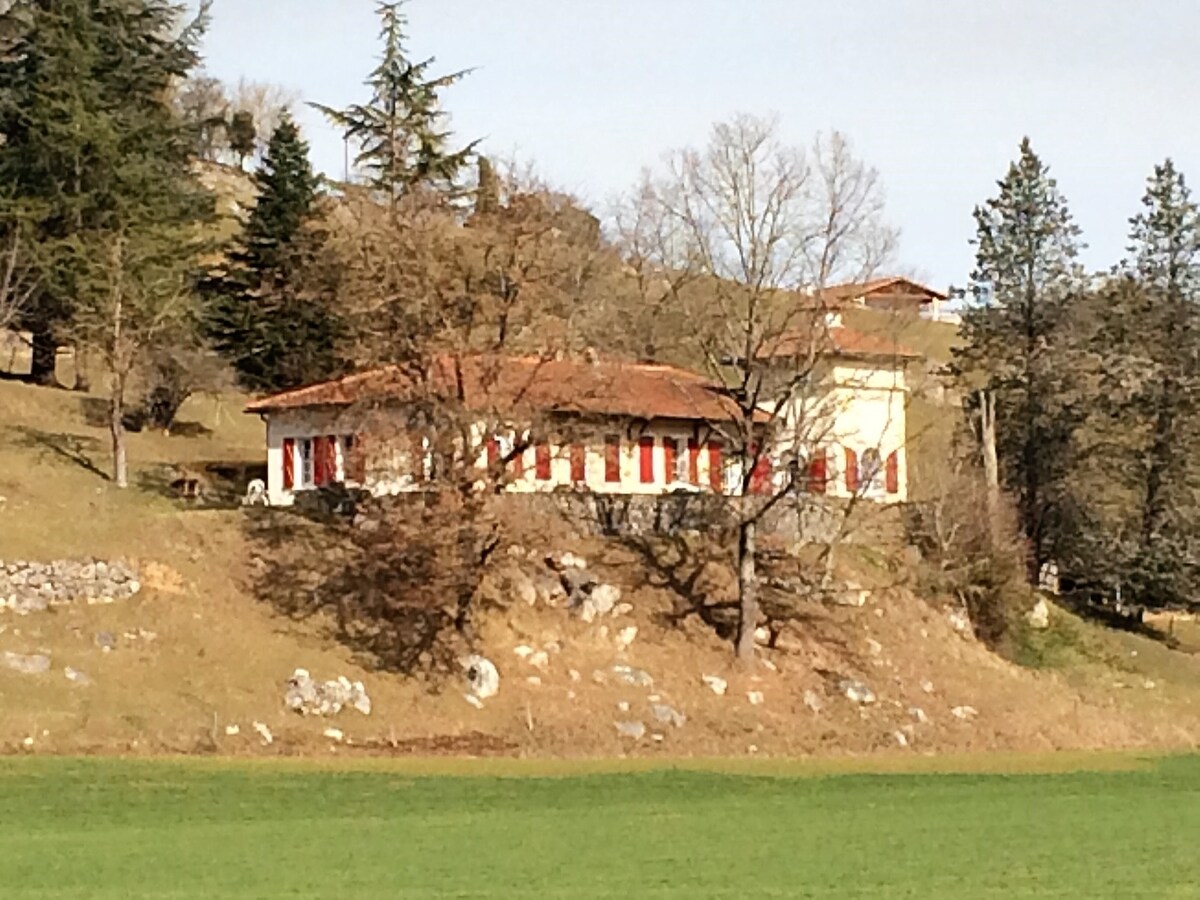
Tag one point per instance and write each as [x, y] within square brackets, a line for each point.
[505, 383]
[852, 290]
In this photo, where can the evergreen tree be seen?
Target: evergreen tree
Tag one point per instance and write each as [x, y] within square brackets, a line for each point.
[1149, 351]
[266, 311]
[1026, 249]
[90, 138]
[400, 132]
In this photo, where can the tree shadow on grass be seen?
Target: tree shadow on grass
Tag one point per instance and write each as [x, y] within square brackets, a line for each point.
[74, 448]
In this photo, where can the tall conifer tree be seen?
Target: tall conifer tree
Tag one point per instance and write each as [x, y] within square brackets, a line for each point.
[1026, 272]
[400, 133]
[264, 312]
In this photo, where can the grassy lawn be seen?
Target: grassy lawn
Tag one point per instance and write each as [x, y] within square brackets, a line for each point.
[99, 829]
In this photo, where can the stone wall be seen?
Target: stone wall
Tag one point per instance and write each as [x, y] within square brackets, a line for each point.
[27, 586]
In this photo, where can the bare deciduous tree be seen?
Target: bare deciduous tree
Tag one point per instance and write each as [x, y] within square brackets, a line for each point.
[733, 244]
[135, 293]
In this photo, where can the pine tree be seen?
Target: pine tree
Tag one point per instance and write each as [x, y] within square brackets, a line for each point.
[1026, 250]
[400, 131]
[1159, 330]
[90, 139]
[265, 314]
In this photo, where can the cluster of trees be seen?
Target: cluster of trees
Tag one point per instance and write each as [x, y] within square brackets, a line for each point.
[1093, 382]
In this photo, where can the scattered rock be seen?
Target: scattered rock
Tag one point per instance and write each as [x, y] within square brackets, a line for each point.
[633, 730]
[632, 676]
[901, 738]
[1149, 685]
[668, 715]
[762, 635]
[334, 734]
[874, 646]
[27, 664]
[1039, 616]
[523, 651]
[716, 684]
[232, 730]
[622, 609]
[534, 680]
[927, 687]
[309, 697]
[106, 641]
[625, 637]
[959, 620]
[755, 697]
[539, 660]
[964, 712]
[813, 701]
[525, 591]
[482, 676]
[473, 700]
[76, 677]
[856, 691]
[918, 714]
[767, 664]
[265, 733]
[623, 706]
[562, 562]
[851, 594]
[574, 675]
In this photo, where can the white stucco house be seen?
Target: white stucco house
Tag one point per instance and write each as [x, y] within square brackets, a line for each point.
[611, 427]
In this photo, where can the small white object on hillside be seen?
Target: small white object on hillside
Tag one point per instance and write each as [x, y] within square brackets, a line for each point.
[717, 684]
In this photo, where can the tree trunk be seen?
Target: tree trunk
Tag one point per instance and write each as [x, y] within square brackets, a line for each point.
[991, 466]
[83, 381]
[116, 427]
[747, 591]
[45, 351]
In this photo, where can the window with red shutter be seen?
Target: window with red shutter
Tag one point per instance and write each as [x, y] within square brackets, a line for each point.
[818, 475]
[493, 452]
[518, 462]
[670, 460]
[319, 469]
[714, 466]
[851, 471]
[289, 463]
[578, 464]
[646, 459]
[892, 472]
[612, 459]
[541, 456]
[693, 462]
[330, 459]
[760, 475]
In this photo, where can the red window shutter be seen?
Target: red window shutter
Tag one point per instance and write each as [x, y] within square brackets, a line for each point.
[646, 459]
[612, 459]
[318, 461]
[817, 472]
[714, 466]
[331, 445]
[578, 464]
[541, 455]
[760, 476]
[670, 457]
[493, 452]
[289, 463]
[693, 461]
[892, 472]
[851, 470]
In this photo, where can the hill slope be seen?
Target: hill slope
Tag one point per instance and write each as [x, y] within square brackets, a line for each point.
[194, 654]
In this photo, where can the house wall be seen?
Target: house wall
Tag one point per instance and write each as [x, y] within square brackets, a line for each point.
[863, 408]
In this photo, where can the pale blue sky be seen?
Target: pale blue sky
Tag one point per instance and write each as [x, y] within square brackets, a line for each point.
[935, 93]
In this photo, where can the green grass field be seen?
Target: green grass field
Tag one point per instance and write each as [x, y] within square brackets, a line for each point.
[109, 829]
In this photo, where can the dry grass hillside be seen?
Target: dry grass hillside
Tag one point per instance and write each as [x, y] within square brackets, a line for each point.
[194, 654]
